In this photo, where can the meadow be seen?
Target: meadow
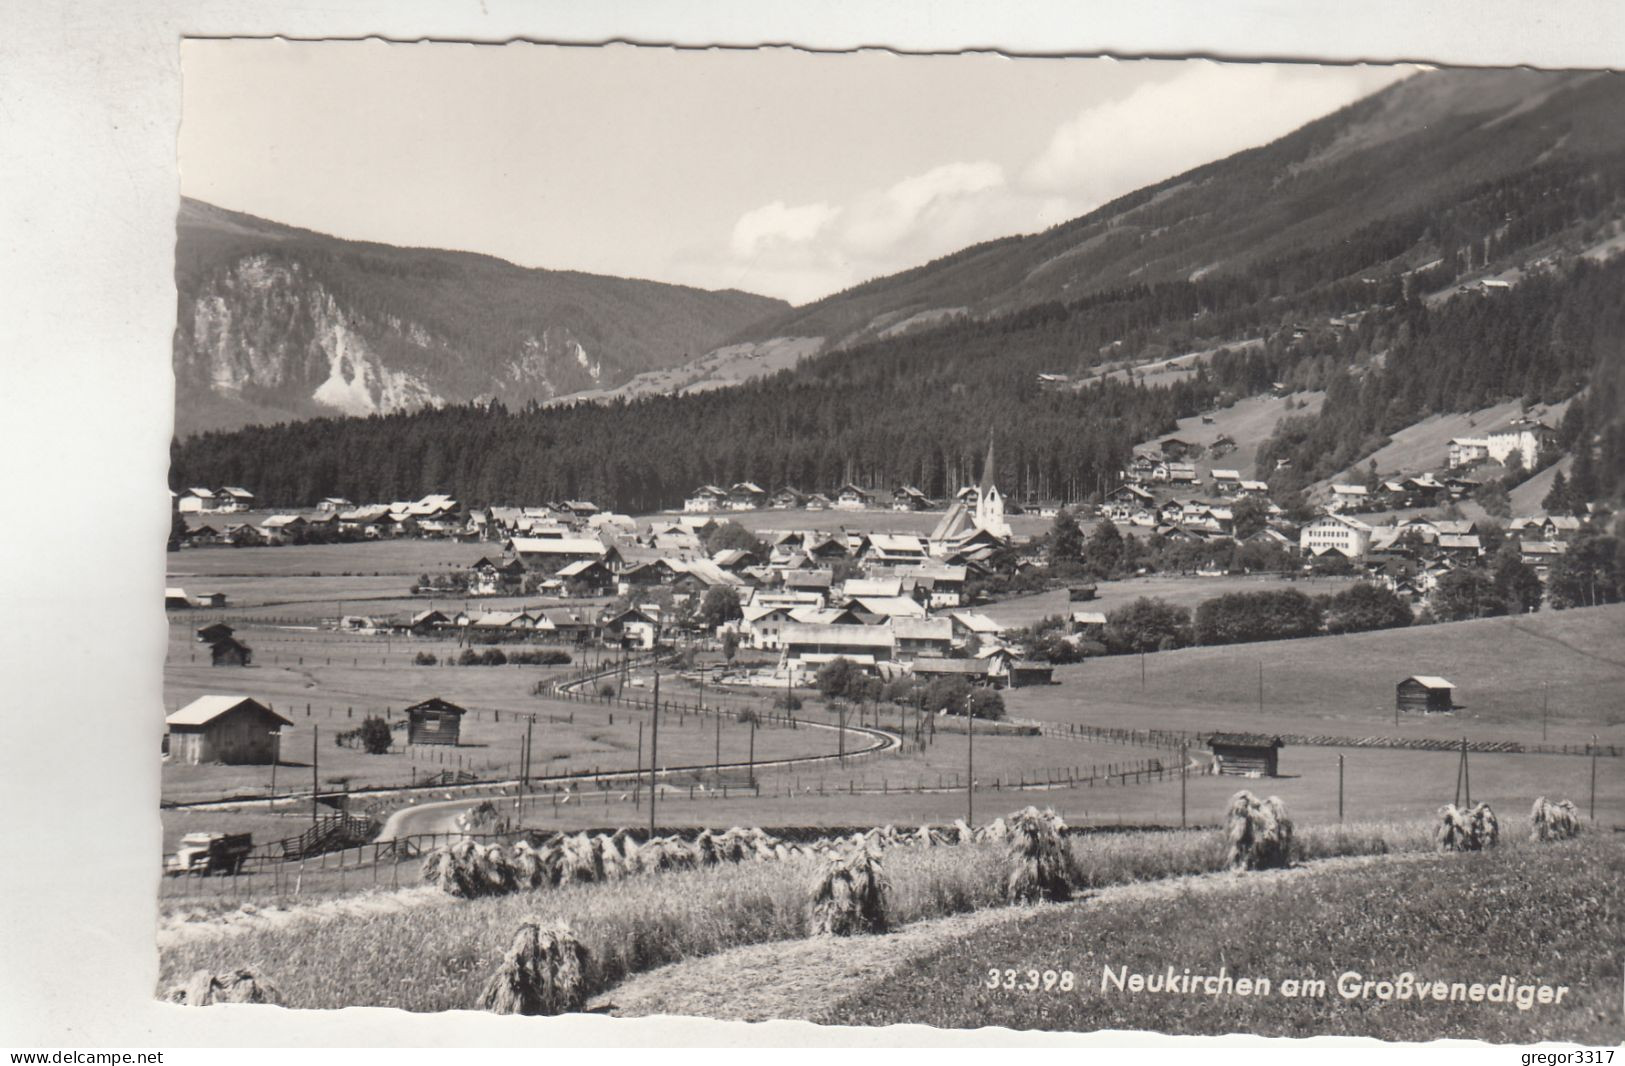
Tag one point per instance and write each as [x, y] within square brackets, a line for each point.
[1182, 590]
[1505, 670]
[1551, 914]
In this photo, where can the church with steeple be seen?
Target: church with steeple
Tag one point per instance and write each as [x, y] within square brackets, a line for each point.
[979, 510]
[989, 503]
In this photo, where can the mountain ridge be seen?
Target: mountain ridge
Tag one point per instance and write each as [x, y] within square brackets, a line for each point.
[280, 322]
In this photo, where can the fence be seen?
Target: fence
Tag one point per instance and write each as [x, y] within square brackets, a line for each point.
[378, 863]
[1179, 738]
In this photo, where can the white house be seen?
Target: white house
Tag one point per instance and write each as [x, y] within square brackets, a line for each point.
[1334, 532]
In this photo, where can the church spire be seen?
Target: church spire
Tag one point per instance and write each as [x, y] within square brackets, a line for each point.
[987, 467]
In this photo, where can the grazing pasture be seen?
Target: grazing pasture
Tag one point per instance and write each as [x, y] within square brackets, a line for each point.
[1181, 590]
[1505, 670]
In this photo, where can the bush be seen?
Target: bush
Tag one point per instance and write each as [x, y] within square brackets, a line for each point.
[606, 689]
[493, 657]
[425, 658]
[946, 694]
[470, 657]
[788, 702]
[1364, 607]
[1241, 617]
[984, 703]
[1148, 624]
[376, 736]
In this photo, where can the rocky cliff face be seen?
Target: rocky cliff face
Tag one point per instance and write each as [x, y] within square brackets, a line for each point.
[277, 323]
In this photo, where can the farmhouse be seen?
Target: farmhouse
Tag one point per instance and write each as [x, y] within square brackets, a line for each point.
[1348, 536]
[553, 553]
[586, 577]
[235, 498]
[1347, 497]
[1091, 624]
[1425, 693]
[852, 498]
[746, 496]
[807, 647]
[1226, 481]
[909, 498]
[235, 730]
[922, 636]
[786, 499]
[1529, 437]
[1245, 754]
[229, 651]
[434, 721]
[706, 498]
[198, 499]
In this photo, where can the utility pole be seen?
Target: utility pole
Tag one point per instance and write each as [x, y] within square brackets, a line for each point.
[315, 761]
[276, 757]
[654, 749]
[1593, 777]
[1184, 764]
[1543, 708]
[752, 762]
[1340, 790]
[719, 747]
[1261, 687]
[840, 734]
[1142, 668]
[970, 769]
[637, 779]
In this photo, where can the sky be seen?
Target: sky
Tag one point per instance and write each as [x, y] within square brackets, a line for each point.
[774, 171]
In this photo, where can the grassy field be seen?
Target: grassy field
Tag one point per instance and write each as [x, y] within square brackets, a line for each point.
[1248, 422]
[432, 958]
[1549, 916]
[1503, 668]
[1425, 444]
[1181, 590]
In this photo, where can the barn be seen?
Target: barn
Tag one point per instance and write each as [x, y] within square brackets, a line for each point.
[1425, 693]
[211, 633]
[225, 729]
[229, 651]
[434, 721]
[1245, 754]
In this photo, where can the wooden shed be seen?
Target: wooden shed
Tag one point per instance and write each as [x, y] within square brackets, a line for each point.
[1425, 693]
[211, 633]
[434, 721]
[1245, 754]
[229, 651]
[225, 729]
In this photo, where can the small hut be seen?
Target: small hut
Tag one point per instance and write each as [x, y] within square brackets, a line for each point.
[1024, 672]
[1430, 695]
[229, 651]
[434, 721]
[211, 633]
[1081, 593]
[225, 729]
[1245, 754]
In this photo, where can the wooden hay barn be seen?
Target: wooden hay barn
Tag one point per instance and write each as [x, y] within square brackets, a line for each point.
[1024, 673]
[229, 651]
[434, 721]
[1430, 695]
[211, 633]
[1245, 754]
[225, 729]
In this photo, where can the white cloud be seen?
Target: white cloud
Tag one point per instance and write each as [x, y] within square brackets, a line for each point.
[775, 224]
[1206, 112]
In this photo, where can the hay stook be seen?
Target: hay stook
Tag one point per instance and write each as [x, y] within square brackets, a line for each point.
[1553, 821]
[1041, 863]
[543, 973]
[1467, 829]
[1259, 833]
[849, 895]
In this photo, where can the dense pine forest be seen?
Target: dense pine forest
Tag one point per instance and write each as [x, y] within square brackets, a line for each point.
[918, 409]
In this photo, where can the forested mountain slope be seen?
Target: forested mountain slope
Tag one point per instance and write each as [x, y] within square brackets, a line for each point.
[277, 322]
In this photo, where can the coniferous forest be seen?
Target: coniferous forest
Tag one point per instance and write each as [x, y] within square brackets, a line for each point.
[918, 409]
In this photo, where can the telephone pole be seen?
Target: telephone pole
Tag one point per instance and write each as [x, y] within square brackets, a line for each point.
[654, 748]
[970, 769]
[315, 761]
